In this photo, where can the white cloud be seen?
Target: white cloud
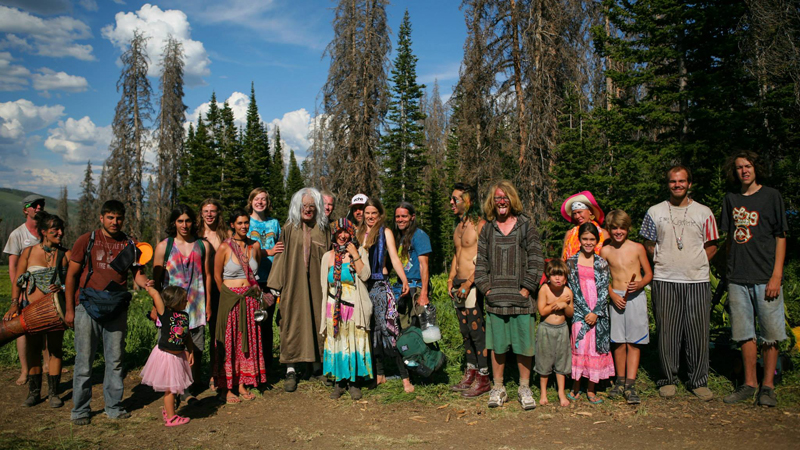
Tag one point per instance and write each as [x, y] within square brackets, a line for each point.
[89, 5]
[12, 77]
[238, 102]
[295, 22]
[18, 118]
[79, 140]
[295, 126]
[46, 37]
[158, 25]
[50, 80]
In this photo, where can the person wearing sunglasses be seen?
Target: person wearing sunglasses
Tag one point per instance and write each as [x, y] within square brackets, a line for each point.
[21, 238]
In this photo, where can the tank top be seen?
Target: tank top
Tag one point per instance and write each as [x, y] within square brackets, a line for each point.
[233, 271]
[174, 330]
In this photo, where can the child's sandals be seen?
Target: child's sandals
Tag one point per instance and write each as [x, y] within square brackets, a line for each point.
[175, 421]
[574, 395]
[594, 399]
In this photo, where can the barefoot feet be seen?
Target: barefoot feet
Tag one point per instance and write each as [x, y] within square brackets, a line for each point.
[407, 386]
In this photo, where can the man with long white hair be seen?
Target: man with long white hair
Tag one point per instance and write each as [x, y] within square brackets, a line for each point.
[295, 274]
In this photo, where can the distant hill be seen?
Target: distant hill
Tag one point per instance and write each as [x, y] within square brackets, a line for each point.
[11, 205]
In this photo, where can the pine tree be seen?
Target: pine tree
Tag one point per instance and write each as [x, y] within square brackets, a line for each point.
[355, 95]
[87, 208]
[403, 145]
[256, 146]
[294, 181]
[169, 134]
[202, 167]
[235, 183]
[278, 194]
[63, 212]
[122, 178]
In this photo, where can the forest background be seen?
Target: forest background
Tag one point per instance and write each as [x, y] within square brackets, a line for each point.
[558, 96]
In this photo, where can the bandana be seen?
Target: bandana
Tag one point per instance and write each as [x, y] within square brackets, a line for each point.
[339, 252]
[578, 206]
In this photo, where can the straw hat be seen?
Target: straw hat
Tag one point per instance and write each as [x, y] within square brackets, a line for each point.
[587, 199]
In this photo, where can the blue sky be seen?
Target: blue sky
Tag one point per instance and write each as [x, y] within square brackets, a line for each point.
[59, 68]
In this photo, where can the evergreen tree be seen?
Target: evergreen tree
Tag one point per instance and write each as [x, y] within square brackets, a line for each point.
[87, 204]
[63, 212]
[294, 181]
[202, 167]
[278, 194]
[403, 145]
[169, 134]
[256, 146]
[122, 178]
[234, 182]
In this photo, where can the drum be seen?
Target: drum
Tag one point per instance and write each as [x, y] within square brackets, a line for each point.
[42, 316]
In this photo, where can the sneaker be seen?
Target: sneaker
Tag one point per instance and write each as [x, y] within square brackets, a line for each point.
[616, 391]
[497, 396]
[526, 399]
[742, 393]
[631, 396]
[703, 393]
[122, 416]
[767, 397]
[667, 391]
[290, 383]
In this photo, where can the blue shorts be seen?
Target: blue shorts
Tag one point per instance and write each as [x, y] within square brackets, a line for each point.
[747, 303]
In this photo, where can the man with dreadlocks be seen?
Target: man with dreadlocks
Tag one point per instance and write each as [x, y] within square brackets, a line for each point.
[461, 285]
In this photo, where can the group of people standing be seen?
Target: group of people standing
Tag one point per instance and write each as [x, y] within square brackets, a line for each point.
[326, 283]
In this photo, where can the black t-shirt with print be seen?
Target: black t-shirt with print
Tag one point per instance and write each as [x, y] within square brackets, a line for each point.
[752, 223]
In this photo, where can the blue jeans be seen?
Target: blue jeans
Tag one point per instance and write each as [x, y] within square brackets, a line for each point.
[87, 334]
[749, 306]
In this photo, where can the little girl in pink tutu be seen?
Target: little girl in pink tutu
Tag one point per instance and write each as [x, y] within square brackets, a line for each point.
[168, 368]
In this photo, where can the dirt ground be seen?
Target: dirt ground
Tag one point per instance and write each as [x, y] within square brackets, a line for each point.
[309, 419]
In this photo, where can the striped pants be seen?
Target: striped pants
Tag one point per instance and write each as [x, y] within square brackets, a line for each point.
[683, 315]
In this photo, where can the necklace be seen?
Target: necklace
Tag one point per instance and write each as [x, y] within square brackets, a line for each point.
[678, 239]
[48, 253]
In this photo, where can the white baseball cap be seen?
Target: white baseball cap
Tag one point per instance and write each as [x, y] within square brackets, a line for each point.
[359, 199]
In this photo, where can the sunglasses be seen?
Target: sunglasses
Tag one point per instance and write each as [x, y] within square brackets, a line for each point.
[455, 200]
[35, 204]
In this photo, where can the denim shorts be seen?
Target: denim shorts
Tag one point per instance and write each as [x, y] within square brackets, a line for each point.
[747, 303]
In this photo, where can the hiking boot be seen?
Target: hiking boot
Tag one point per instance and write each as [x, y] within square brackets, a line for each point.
[466, 380]
[767, 397]
[525, 397]
[667, 391]
[631, 396]
[323, 379]
[34, 390]
[497, 397]
[338, 390]
[82, 421]
[480, 386]
[355, 392]
[617, 390]
[52, 385]
[703, 393]
[741, 393]
[290, 383]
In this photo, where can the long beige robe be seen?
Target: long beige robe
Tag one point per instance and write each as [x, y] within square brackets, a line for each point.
[301, 299]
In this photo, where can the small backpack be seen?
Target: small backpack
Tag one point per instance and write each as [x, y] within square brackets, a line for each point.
[416, 354]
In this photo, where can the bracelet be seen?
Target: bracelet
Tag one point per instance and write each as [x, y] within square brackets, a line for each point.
[14, 301]
[357, 259]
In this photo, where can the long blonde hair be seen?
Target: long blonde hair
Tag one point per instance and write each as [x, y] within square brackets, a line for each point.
[372, 237]
[513, 199]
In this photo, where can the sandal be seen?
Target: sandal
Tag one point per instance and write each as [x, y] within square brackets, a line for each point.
[247, 395]
[593, 399]
[232, 399]
[574, 396]
[176, 420]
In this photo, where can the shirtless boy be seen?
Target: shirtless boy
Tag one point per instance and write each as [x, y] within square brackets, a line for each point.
[630, 273]
[468, 302]
[553, 351]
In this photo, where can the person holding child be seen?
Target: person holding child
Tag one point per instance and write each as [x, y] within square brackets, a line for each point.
[578, 209]
[348, 312]
[553, 352]
[168, 369]
[588, 279]
[630, 273]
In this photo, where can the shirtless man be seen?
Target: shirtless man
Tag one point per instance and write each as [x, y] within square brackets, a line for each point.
[553, 352]
[468, 302]
[629, 321]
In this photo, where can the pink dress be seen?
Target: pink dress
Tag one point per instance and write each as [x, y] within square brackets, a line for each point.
[586, 362]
